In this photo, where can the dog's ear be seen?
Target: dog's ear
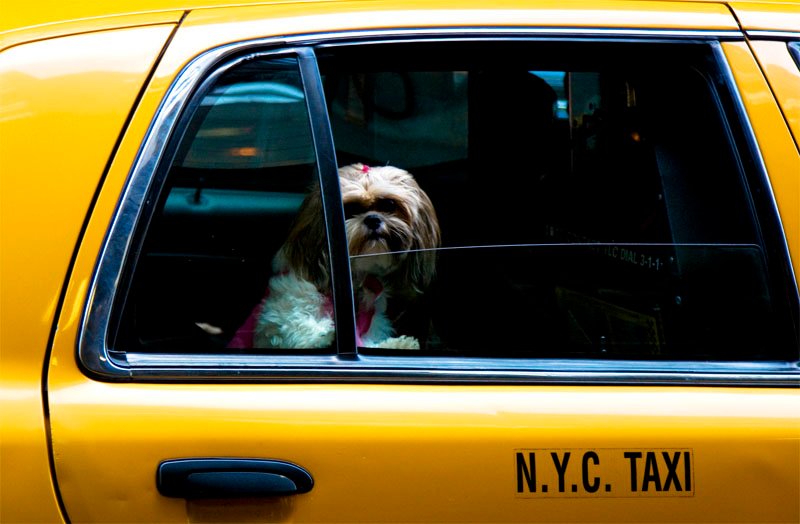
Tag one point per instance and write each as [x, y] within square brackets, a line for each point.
[305, 251]
[420, 266]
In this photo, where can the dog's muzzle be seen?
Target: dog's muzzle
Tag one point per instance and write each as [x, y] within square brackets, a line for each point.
[373, 222]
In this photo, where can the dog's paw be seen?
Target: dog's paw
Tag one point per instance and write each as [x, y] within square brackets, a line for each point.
[401, 342]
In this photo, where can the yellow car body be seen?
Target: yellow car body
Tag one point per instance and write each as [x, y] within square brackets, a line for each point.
[80, 88]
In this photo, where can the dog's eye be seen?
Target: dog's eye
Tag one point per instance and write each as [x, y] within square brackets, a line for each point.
[352, 209]
[386, 205]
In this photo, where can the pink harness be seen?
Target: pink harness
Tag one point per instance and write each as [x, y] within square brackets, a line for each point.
[372, 289]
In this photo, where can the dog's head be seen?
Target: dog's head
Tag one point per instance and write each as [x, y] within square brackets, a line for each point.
[390, 224]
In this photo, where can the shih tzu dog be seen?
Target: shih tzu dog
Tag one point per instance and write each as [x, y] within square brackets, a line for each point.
[392, 233]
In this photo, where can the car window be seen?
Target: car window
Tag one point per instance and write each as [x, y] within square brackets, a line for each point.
[240, 172]
[587, 207]
[534, 200]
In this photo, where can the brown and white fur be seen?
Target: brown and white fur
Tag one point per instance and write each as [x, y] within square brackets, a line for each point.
[392, 234]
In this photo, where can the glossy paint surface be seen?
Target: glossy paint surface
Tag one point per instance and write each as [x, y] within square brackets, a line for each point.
[214, 27]
[400, 453]
[11, 36]
[372, 450]
[17, 15]
[64, 103]
[783, 75]
[768, 16]
[775, 142]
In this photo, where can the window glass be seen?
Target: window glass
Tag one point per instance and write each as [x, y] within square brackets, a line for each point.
[501, 199]
[583, 205]
[212, 258]
[794, 49]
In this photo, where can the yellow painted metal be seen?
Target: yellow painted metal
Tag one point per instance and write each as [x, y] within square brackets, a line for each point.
[214, 27]
[774, 139]
[404, 453]
[423, 453]
[19, 35]
[49, 13]
[783, 75]
[768, 16]
[26, 492]
[63, 103]
[18, 14]
[344, 15]
[23, 22]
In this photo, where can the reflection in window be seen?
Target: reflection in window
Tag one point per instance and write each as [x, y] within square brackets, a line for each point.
[585, 210]
[241, 173]
[507, 199]
[243, 116]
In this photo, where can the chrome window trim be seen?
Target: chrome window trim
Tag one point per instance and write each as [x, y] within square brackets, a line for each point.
[774, 35]
[522, 32]
[468, 370]
[118, 241]
[102, 363]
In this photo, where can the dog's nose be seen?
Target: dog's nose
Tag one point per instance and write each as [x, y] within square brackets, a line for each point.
[373, 222]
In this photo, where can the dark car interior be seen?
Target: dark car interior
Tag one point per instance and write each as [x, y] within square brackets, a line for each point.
[589, 207]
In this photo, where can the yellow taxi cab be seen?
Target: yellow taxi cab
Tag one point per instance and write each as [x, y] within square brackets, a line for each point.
[360, 260]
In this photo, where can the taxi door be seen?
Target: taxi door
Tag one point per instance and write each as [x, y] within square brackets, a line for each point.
[140, 436]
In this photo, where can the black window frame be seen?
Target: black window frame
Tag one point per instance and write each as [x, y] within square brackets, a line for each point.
[98, 358]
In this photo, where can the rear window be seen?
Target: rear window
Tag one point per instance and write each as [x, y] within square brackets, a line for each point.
[589, 206]
[590, 200]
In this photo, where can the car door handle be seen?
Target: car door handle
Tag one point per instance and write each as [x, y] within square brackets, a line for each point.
[208, 478]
